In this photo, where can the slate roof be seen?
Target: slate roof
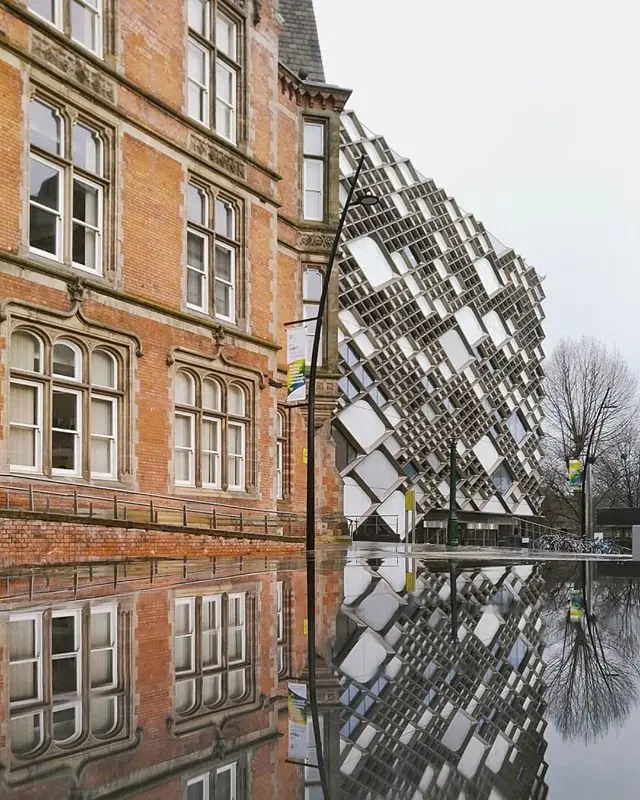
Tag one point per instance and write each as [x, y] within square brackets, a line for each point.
[299, 43]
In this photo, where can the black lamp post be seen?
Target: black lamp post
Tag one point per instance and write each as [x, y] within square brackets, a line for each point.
[368, 200]
[452, 522]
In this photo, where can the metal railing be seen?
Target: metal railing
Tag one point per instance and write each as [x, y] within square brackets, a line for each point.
[98, 504]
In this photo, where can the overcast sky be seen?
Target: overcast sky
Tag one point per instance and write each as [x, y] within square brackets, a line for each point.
[528, 114]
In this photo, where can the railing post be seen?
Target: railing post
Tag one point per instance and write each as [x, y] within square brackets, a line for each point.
[266, 525]
[75, 501]
[184, 515]
[213, 517]
[31, 501]
[290, 525]
[115, 506]
[151, 510]
[241, 523]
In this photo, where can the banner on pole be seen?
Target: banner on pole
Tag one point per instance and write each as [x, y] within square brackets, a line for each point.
[575, 475]
[296, 363]
[298, 732]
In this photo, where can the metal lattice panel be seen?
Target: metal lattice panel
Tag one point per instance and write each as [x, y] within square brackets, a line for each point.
[441, 332]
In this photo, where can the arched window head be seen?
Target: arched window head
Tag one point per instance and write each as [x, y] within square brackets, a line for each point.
[67, 360]
[45, 126]
[103, 369]
[185, 390]
[236, 401]
[26, 352]
[211, 395]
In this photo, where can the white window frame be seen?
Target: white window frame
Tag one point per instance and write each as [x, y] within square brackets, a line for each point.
[36, 618]
[309, 158]
[98, 246]
[77, 449]
[215, 454]
[204, 275]
[204, 89]
[231, 285]
[279, 470]
[191, 449]
[233, 770]
[229, 106]
[202, 780]
[76, 705]
[190, 603]
[37, 469]
[113, 439]
[240, 457]
[112, 611]
[280, 637]
[216, 601]
[59, 212]
[232, 596]
[57, 15]
[97, 13]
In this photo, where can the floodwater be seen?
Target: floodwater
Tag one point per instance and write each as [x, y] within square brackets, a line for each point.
[488, 676]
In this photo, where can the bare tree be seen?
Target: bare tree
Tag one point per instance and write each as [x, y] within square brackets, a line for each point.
[617, 471]
[591, 395]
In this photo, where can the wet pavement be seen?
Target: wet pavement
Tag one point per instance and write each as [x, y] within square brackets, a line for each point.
[486, 676]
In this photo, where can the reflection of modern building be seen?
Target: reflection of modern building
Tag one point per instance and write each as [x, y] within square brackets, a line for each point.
[441, 331]
[157, 679]
[437, 705]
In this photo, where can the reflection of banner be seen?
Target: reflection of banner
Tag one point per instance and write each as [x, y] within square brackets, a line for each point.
[575, 474]
[576, 607]
[296, 363]
[298, 738]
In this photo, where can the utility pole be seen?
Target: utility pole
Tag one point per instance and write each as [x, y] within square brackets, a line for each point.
[452, 523]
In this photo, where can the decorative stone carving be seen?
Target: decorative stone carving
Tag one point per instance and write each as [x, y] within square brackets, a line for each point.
[316, 241]
[76, 289]
[219, 334]
[216, 156]
[257, 11]
[75, 67]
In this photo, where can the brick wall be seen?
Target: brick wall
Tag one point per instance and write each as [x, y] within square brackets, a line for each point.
[138, 94]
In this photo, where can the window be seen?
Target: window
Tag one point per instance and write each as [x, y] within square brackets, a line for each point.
[312, 280]
[213, 65]
[313, 177]
[212, 659]
[66, 188]
[280, 629]
[212, 253]
[217, 784]
[210, 432]
[517, 426]
[281, 447]
[62, 396]
[63, 677]
[79, 19]
[502, 479]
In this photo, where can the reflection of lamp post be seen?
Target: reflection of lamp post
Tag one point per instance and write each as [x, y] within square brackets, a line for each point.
[364, 199]
[452, 522]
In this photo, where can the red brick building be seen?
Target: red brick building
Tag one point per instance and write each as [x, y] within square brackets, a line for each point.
[169, 195]
[158, 679]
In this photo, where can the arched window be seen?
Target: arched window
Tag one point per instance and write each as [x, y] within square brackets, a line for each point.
[312, 280]
[210, 432]
[63, 413]
[104, 414]
[236, 437]
[281, 445]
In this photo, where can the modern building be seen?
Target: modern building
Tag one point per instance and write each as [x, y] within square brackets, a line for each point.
[442, 688]
[170, 193]
[440, 336]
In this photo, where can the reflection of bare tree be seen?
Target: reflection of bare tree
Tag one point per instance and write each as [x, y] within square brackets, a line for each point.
[592, 680]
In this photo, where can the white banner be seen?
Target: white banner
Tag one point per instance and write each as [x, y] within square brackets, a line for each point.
[296, 363]
[298, 737]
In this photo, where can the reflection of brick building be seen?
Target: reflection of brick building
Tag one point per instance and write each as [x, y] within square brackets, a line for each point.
[436, 705]
[175, 210]
[152, 680]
